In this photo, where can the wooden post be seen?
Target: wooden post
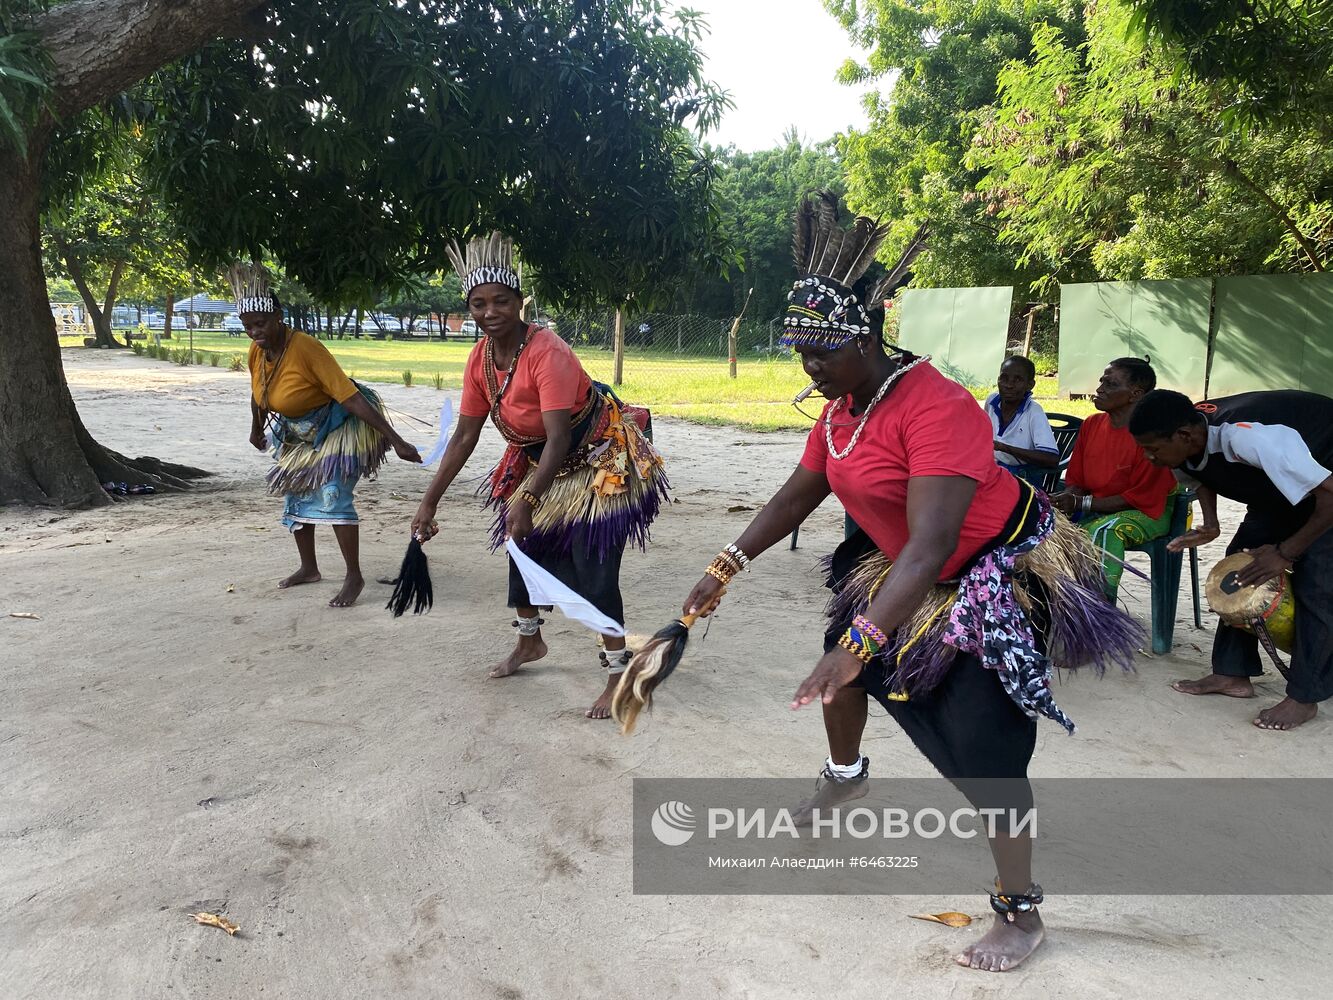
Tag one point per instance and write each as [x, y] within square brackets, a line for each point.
[1027, 337]
[619, 377]
[734, 336]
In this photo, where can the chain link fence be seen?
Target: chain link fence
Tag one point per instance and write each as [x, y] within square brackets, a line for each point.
[682, 364]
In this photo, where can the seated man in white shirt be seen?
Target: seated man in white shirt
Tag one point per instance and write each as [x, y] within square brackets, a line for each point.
[1024, 443]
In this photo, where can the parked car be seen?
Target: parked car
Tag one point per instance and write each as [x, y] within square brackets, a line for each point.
[232, 324]
[468, 328]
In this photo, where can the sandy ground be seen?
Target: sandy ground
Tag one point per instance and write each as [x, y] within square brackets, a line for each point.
[382, 820]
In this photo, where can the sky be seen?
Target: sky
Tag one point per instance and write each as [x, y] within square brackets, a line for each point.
[778, 59]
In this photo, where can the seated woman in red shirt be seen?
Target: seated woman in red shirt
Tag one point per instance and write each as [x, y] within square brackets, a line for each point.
[578, 479]
[930, 597]
[1117, 496]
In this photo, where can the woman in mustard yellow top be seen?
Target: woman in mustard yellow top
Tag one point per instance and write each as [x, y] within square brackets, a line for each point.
[327, 431]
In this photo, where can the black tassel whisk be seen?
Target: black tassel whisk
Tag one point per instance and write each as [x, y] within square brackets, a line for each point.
[413, 587]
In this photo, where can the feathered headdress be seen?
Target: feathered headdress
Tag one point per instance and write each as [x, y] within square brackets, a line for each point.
[822, 310]
[487, 260]
[250, 284]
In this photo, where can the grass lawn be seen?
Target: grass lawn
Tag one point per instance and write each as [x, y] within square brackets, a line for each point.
[691, 388]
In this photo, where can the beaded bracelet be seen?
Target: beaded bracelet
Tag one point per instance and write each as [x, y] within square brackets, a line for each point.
[532, 500]
[728, 559]
[858, 645]
[740, 556]
[870, 630]
[721, 576]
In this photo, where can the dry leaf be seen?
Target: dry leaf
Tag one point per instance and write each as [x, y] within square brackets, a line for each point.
[738, 508]
[213, 920]
[25, 614]
[231, 588]
[949, 919]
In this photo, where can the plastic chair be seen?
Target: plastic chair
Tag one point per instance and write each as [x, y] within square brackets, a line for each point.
[1165, 576]
[1065, 427]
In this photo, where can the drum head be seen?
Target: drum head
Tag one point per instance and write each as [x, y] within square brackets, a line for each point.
[1232, 601]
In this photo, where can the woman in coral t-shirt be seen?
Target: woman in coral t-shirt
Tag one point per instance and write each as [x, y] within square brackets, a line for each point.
[959, 580]
[1111, 489]
[579, 478]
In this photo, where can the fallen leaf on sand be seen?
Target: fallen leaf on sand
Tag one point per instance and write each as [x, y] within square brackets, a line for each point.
[397, 496]
[25, 614]
[950, 919]
[231, 588]
[738, 508]
[213, 920]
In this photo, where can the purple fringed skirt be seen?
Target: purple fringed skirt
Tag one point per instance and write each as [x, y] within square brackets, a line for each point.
[1007, 595]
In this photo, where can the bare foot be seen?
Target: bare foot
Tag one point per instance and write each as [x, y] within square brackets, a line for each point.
[299, 577]
[1286, 714]
[1005, 945]
[831, 791]
[345, 598]
[530, 648]
[601, 708]
[1232, 687]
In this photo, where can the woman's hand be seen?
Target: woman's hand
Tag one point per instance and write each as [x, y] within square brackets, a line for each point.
[1065, 503]
[704, 597]
[424, 527]
[258, 439]
[1193, 538]
[518, 522]
[1268, 564]
[835, 671]
[407, 452]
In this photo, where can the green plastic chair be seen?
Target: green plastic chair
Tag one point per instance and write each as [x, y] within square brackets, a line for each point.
[1165, 576]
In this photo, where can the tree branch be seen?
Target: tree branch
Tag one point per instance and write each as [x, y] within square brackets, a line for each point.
[99, 48]
[1232, 170]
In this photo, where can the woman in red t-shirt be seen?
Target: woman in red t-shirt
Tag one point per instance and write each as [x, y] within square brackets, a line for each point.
[1111, 489]
[931, 596]
[578, 480]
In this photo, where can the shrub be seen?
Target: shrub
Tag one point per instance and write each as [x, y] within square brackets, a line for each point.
[1046, 362]
[438, 379]
[237, 363]
[407, 379]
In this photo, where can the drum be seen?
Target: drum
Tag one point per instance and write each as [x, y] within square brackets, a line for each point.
[1270, 603]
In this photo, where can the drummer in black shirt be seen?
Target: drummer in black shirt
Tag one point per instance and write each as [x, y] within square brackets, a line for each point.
[1271, 451]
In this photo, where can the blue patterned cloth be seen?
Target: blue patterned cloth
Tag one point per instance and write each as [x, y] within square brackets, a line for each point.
[331, 503]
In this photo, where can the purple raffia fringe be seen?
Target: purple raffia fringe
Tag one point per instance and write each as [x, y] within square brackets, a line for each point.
[1085, 631]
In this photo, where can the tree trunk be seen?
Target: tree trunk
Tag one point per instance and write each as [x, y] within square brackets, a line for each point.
[47, 457]
[166, 323]
[100, 318]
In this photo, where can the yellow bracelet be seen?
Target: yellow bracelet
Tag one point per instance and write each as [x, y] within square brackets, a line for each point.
[855, 648]
[718, 575]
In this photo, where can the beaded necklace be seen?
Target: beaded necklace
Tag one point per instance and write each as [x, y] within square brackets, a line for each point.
[267, 373]
[496, 390]
[880, 393]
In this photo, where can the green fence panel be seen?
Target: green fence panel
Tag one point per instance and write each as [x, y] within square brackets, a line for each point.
[1166, 321]
[964, 330]
[1274, 331]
